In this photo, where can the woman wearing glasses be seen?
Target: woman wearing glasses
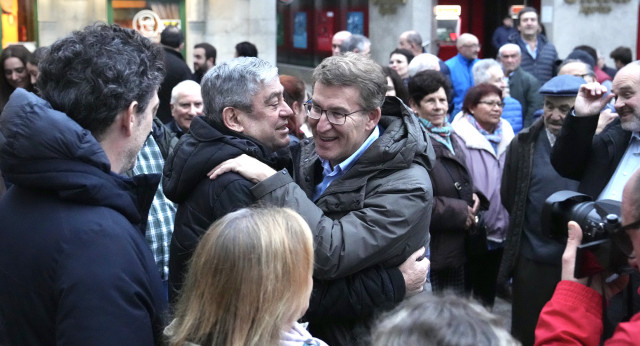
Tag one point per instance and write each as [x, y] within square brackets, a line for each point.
[455, 204]
[485, 137]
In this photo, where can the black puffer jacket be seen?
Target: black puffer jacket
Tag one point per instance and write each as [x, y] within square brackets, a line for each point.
[202, 201]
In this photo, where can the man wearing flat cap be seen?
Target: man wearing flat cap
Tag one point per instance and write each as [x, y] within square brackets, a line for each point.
[530, 258]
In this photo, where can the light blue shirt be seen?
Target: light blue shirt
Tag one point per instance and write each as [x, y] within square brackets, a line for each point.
[340, 169]
[532, 52]
[629, 163]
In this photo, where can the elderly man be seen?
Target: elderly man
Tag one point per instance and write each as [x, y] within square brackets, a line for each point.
[245, 113]
[204, 58]
[523, 86]
[573, 316]
[531, 258]
[186, 104]
[362, 186]
[357, 44]
[337, 40]
[602, 163]
[411, 41]
[75, 265]
[461, 67]
[538, 54]
[577, 68]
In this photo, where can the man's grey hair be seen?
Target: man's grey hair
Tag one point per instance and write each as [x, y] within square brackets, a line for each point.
[356, 70]
[413, 37]
[587, 67]
[234, 84]
[432, 320]
[481, 70]
[423, 62]
[509, 46]
[183, 87]
[355, 41]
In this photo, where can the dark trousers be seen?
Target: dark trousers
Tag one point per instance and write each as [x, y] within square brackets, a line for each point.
[483, 273]
[533, 286]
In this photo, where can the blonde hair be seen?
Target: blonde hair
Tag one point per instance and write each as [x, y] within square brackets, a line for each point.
[249, 278]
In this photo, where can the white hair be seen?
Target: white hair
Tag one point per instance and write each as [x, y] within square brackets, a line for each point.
[422, 62]
[182, 87]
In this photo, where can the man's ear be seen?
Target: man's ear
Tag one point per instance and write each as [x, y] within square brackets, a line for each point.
[211, 63]
[373, 117]
[232, 119]
[128, 118]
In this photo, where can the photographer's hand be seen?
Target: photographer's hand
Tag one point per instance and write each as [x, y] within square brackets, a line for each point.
[569, 255]
[595, 282]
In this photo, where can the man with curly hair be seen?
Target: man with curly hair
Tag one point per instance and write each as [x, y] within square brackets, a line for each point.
[76, 268]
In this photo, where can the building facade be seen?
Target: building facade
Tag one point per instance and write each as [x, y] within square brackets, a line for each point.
[296, 34]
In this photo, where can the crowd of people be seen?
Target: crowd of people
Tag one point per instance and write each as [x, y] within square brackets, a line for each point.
[143, 203]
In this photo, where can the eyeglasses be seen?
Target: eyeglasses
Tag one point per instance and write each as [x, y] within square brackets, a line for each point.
[493, 103]
[622, 240]
[336, 118]
[474, 45]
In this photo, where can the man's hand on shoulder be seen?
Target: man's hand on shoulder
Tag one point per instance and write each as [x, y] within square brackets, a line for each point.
[591, 99]
[245, 165]
[414, 270]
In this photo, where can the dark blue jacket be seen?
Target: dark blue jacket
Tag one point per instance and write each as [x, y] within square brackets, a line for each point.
[543, 66]
[76, 268]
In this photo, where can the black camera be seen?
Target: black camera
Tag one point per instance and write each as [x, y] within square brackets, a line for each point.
[598, 221]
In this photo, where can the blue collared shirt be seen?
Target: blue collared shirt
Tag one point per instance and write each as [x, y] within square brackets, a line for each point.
[340, 169]
[629, 163]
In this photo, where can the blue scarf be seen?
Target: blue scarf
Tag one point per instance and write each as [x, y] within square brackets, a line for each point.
[494, 138]
[441, 134]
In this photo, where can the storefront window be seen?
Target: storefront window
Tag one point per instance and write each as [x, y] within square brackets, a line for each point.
[305, 27]
[19, 22]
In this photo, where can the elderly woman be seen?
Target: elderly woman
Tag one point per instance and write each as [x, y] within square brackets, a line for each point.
[13, 63]
[454, 203]
[485, 137]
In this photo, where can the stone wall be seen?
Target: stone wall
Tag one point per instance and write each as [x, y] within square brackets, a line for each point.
[602, 24]
[385, 27]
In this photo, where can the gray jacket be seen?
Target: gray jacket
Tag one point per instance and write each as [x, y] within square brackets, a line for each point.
[378, 212]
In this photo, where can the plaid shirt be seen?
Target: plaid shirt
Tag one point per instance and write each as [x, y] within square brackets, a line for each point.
[162, 212]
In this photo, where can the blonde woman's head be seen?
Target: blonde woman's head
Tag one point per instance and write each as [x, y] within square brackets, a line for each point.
[250, 278]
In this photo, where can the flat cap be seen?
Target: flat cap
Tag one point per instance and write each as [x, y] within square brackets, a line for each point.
[563, 85]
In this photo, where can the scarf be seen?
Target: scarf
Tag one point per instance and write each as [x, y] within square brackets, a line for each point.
[439, 134]
[494, 138]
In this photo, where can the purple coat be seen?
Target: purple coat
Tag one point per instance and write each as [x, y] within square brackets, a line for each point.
[486, 168]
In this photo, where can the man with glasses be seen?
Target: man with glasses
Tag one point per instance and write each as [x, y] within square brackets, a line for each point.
[461, 66]
[528, 179]
[574, 314]
[362, 186]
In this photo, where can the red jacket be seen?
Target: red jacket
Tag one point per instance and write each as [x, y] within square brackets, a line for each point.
[573, 316]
